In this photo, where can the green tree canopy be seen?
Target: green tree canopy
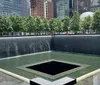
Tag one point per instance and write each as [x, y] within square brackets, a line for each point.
[86, 24]
[17, 23]
[5, 24]
[75, 22]
[46, 25]
[66, 23]
[52, 24]
[30, 24]
[96, 21]
[39, 25]
[59, 25]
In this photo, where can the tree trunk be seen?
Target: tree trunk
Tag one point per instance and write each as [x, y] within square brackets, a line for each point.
[7, 33]
[36, 33]
[45, 32]
[24, 33]
[29, 33]
[88, 31]
[75, 32]
[0, 33]
[19, 33]
[59, 32]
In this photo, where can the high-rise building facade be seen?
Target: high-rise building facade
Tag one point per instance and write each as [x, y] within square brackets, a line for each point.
[14, 7]
[48, 9]
[95, 5]
[37, 8]
[83, 6]
[63, 8]
[25, 7]
[42, 8]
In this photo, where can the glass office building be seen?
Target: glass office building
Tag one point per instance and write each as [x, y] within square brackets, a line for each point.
[95, 5]
[84, 6]
[62, 8]
[14, 7]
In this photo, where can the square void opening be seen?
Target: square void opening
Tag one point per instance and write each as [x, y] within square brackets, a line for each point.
[53, 67]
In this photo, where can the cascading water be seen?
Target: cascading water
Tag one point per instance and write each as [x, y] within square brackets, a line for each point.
[49, 48]
[16, 49]
[23, 45]
[8, 50]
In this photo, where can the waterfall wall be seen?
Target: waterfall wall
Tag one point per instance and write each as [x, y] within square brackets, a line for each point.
[13, 46]
[87, 44]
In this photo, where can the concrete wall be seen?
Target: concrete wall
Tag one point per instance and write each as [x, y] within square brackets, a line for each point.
[88, 44]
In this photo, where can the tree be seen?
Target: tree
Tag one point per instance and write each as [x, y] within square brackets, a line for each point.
[17, 23]
[46, 25]
[5, 24]
[96, 22]
[75, 22]
[86, 24]
[39, 25]
[1, 27]
[59, 25]
[52, 24]
[30, 24]
[66, 23]
[24, 24]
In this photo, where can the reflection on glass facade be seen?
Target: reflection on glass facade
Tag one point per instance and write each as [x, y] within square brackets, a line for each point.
[94, 2]
[95, 5]
[62, 8]
[84, 6]
[14, 7]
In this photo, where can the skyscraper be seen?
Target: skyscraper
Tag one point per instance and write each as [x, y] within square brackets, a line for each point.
[63, 8]
[48, 9]
[84, 6]
[42, 8]
[14, 7]
[95, 5]
[37, 8]
[25, 7]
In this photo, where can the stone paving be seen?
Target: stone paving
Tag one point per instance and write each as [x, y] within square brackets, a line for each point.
[91, 80]
[8, 80]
